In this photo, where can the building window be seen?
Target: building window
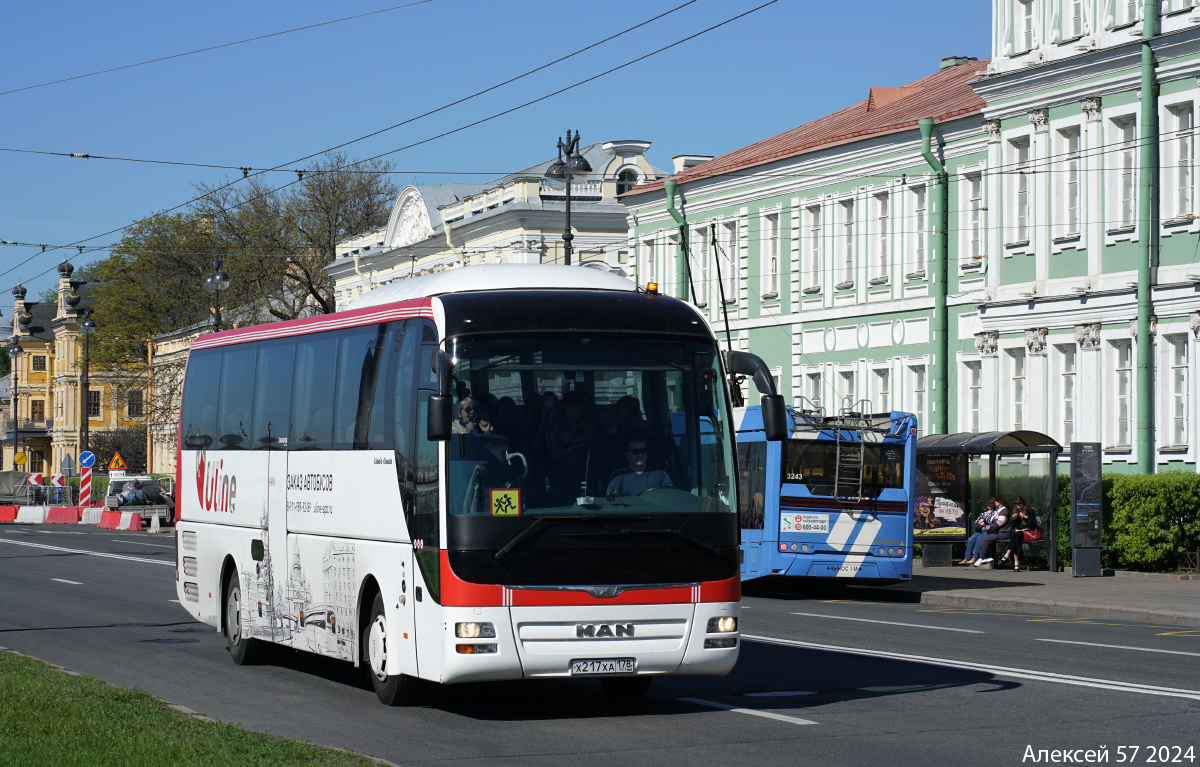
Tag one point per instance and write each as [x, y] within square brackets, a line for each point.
[670, 280]
[727, 250]
[626, 180]
[134, 406]
[882, 233]
[919, 230]
[974, 217]
[917, 373]
[883, 390]
[846, 385]
[1024, 25]
[814, 246]
[974, 394]
[770, 256]
[39, 363]
[1016, 359]
[1072, 191]
[93, 407]
[1182, 145]
[37, 461]
[1124, 391]
[699, 247]
[812, 383]
[847, 245]
[1126, 170]
[37, 410]
[1021, 170]
[1179, 389]
[1067, 356]
[649, 267]
[1128, 16]
[1074, 19]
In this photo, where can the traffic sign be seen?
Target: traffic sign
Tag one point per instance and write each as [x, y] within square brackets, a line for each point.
[68, 463]
[87, 459]
[20, 459]
[117, 463]
[58, 480]
[35, 479]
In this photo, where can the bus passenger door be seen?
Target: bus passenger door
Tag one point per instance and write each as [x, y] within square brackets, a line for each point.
[752, 469]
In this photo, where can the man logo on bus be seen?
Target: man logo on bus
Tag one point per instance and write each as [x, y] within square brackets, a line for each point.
[215, 490]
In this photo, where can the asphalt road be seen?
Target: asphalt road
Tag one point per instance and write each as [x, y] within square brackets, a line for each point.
[823, 680]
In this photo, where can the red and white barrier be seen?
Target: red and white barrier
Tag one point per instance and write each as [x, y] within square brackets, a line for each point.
[63, 515]
[8, 513]
[121, 520]
[31, 515]
[91, 515]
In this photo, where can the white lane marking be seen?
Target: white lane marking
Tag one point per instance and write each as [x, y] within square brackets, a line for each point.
[750, 711]
[1015, 673]
[139, 543]
[778, 694]
[17, 532]
[888, 623]
[89, 553]
[1122, 647]
[64, 580]
[176, 601]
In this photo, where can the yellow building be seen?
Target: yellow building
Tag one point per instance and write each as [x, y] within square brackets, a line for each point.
[46, 403]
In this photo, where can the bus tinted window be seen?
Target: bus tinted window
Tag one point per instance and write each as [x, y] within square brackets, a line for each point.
[406, 342]
[312, 393]
[234, 407]
[813, 464]
[199, 409]
[373, 429]
[273, 395]
[357, 371]
[752, 484]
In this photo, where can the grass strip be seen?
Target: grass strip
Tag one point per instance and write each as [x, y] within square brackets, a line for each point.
[48, 717]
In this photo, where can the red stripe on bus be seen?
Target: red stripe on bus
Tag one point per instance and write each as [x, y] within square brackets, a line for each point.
[459, 593]
[420, 307]
[535, 598]
[722, 591]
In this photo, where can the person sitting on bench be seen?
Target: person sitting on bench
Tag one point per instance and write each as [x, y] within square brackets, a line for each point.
[997, 530]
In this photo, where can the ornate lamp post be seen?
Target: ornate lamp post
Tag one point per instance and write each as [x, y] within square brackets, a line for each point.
[87, 327]
[215, 283]
[569, 163]
[14, 349]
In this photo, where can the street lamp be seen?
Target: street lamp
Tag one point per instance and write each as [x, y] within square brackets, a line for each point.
[215, 283]
[14, 349]
[569, 163]
[87, 327]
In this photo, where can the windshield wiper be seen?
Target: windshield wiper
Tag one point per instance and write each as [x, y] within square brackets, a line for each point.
[715, 551]
[504, 550]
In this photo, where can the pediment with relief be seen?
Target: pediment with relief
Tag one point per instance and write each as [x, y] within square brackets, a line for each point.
[409, 222]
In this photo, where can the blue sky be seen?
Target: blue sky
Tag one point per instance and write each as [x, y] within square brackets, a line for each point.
[272, 101]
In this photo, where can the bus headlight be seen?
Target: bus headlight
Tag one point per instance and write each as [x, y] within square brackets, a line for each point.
[722, 625]
[474, 630]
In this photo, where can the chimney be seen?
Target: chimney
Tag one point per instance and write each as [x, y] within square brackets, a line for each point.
[957, 61]
[685, 161]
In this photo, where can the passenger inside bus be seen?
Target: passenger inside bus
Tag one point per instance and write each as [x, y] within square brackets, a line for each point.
[638, 477]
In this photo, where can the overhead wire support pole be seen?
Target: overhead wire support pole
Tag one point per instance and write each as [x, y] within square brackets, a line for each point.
[1147, 233]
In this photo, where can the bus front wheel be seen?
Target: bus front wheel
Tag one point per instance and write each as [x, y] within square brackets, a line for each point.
[243, 650]
[382, 653]
[626, 686]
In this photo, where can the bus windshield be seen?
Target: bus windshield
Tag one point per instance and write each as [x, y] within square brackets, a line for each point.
[589, 424]
[813, 463]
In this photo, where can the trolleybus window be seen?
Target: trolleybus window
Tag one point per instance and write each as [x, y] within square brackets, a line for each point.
[813, 463]
[752, 488]
[273, 395]
[233, 412]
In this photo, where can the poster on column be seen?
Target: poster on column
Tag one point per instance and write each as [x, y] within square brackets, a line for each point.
[941, 498]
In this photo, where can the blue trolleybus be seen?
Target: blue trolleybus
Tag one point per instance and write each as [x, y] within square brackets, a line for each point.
[833, 500]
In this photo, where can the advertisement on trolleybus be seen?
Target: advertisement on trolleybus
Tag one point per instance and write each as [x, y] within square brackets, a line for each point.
[496, 472]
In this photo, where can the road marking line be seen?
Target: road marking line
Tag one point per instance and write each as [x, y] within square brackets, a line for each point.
[139, 543]
[64, 580]
[889, 623]
[778, 694]
[1122, 647]
[89, 553]
[176, 601]
[1015, 673]
[750, 711]
[17, 532]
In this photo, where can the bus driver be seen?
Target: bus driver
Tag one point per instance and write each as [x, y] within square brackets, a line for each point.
[638, 477]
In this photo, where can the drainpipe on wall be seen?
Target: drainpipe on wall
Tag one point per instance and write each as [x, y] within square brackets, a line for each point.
[1147, 231]
[366, 283]
[683, 269]
[448, 229]
[939, 279]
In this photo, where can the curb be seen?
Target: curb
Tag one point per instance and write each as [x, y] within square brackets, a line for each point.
[1064, 609]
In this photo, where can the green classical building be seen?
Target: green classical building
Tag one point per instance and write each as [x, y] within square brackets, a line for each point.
[1007, 244]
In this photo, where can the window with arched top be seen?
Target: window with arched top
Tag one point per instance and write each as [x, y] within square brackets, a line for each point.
[626, 180]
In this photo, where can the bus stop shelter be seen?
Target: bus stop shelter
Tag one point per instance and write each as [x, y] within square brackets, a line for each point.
[956, 473]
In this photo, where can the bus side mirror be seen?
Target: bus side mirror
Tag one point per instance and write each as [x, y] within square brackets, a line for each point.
[439, 414]
[774, 417]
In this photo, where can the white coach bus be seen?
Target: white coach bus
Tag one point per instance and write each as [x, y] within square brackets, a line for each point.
[488, 473]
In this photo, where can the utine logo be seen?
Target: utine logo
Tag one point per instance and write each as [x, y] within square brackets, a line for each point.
[215, 490]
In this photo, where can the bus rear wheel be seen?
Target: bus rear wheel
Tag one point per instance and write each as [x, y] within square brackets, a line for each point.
[381, 651]
[243, 650]
[626, 686]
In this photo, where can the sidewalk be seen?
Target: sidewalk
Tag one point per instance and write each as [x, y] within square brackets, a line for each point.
[1150, 600]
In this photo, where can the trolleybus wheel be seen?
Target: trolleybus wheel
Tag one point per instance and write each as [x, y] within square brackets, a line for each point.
[626, 686]
[382, 653]
[243, 650]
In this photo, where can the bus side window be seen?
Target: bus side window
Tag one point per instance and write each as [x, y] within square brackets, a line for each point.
[199, 409]
[273, 395]
[405, 345]
[312, 393]
[423, 523]
[373, 427]
[355, 354]
[234, 407]
[752, 481]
